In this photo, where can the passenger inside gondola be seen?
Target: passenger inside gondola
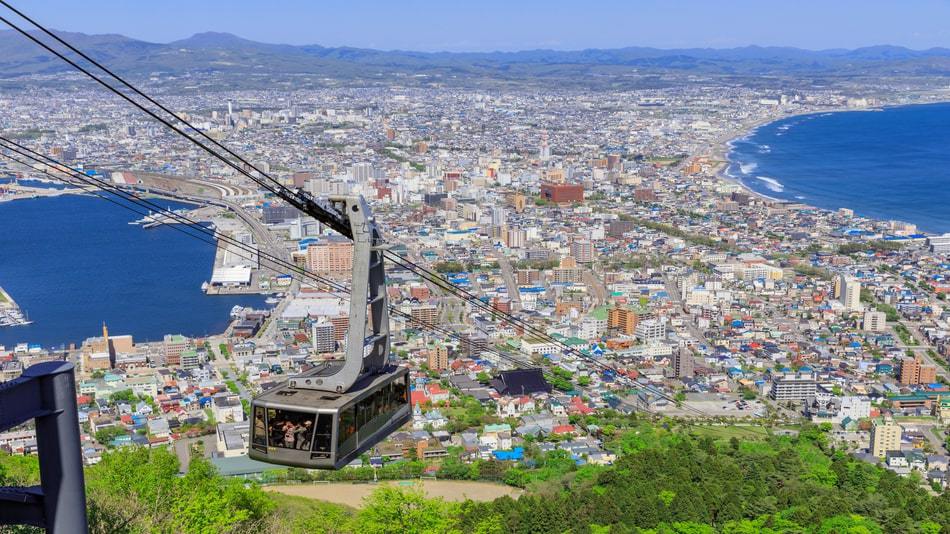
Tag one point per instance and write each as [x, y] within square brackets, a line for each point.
[290, 430]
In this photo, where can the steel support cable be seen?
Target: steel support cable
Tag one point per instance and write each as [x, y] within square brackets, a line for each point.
[280, 190]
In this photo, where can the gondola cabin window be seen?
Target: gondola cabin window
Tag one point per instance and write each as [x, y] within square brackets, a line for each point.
[287, 429]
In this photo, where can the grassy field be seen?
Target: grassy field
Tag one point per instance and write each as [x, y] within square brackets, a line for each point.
[729, 432]
[353, 494]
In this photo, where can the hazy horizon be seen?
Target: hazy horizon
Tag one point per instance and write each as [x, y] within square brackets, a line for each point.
[489, 51]
[492, 25]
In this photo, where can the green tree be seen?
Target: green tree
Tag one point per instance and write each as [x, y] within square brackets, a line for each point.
[125, 395]
[389, 510]
[18, 470]
[849, 524]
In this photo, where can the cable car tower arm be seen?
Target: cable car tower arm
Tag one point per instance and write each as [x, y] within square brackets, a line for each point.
[367, 335]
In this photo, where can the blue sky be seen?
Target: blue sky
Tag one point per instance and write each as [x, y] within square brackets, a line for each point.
[457, 25]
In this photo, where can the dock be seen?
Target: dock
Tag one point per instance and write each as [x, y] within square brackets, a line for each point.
[9, 192]
[153, 220]
[10, 313]
[235, 272]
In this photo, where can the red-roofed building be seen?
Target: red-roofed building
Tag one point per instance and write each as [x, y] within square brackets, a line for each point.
[437, 394]
[418, 396]
[564, 430]
[578, 407]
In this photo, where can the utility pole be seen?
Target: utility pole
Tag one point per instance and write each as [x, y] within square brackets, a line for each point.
[46, 394]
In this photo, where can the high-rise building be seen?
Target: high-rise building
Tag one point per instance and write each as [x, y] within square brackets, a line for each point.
[913, 371]
[874, 321]
[885, 436]
[849, 291]
[439, 358]
[334, 256]
[273, 213]
[362, 172]
[323, 337]
[190, 359]
[617, 228]
[582, 250]
[554, 175]
[650, 330]
[519, 202]
[794, 387]
[939, 244]
[498, 216]
[544, 152]
[515, 238]
[423, 315]
[623, 320]
[909, 370]
[613, 162]
[683, 363]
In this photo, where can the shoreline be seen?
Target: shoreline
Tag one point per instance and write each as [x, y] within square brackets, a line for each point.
[43, 334]
[722, 151]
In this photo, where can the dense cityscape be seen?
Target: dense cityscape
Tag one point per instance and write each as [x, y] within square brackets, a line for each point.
[674, 300]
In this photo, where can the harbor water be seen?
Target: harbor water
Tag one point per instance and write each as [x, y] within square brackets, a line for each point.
[73, 262]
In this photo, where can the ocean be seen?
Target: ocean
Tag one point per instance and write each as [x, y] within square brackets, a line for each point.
[888, 164]
[73, 262]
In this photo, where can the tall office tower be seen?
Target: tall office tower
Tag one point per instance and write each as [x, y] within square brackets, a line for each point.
[885, 436]
[682, 363]
[544, 153]
[850, 293]
[498, 216]
[361, 172]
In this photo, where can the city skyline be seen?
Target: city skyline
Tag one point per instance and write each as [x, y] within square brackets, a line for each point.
[428, 26]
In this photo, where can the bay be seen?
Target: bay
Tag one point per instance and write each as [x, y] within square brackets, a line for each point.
[886, 164]
[73, 262]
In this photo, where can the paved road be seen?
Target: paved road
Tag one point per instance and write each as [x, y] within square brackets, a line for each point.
[507, 272]
[674, 293]
[183, 450]
[595, 285]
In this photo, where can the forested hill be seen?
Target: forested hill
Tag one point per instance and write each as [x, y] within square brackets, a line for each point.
[226, 53]
[665, 482]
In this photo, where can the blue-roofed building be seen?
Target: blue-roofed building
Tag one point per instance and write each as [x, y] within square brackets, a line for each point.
[514, 455]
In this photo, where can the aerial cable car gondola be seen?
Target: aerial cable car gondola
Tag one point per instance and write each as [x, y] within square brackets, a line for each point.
[329, 415]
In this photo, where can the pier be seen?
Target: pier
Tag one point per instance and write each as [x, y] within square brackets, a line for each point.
[153, 220]
[9, 192]
[235, 272]
[10, 313]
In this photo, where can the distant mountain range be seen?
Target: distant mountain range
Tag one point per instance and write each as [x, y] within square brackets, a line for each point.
[226, 53]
